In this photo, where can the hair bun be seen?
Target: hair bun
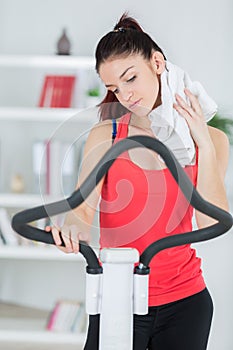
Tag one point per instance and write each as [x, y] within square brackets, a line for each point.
[127, 22]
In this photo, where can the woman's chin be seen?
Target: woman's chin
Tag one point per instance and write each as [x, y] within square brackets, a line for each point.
[140, 111]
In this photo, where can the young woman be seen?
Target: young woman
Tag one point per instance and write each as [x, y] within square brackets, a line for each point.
[140, 201]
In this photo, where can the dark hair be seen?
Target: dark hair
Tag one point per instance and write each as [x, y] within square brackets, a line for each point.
[127, 38]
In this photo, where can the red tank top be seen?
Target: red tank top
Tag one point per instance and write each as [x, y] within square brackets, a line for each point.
[140, 206]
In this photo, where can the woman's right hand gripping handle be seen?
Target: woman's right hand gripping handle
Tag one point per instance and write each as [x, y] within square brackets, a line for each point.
[70, 235]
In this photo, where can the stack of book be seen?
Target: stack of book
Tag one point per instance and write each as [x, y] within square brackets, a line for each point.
[7, 234]
[54, 167]
[57, 91]
[67, 316]
[9, 237]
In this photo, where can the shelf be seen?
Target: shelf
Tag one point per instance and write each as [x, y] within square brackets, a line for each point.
[70, 62]
[37, 252]
[41, 337]
[10, 200]
[48, 114]
[28, 325]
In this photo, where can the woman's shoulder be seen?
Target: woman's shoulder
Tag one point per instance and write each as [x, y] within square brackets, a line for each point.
[219, 138]
[99, 137]
[221, 145]
[102, 129]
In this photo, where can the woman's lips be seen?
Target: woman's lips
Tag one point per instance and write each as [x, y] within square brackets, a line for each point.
[134, 104]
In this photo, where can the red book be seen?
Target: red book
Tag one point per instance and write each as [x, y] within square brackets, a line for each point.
[57, 91]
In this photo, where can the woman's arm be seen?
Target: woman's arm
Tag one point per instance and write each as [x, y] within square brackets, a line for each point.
[212, 166]
[213, 153]
[78, 222]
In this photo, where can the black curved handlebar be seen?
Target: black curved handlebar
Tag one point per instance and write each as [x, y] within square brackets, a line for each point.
[225, 221]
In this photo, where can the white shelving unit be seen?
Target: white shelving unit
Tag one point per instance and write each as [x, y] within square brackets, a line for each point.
[37, 275]
[37, 114]
[31, 61]
[29, 332]
[37, 253]
[20, 70]
[11, 200]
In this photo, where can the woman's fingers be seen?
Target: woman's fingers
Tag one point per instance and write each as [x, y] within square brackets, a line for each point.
[194, 117]
[182, 106]
[74, 235]
[85, 237]
[182, 111]
[194, 101]
[66, 236]
[56, 236]
[70, 235]
[186, 110]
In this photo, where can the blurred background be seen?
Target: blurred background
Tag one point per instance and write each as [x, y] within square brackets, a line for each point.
[197, 36]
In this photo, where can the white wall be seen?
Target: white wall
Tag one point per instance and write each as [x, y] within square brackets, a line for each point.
[196, 35]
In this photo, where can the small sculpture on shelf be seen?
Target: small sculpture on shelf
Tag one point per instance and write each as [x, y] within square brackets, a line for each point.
[17, 183]
[63, 44]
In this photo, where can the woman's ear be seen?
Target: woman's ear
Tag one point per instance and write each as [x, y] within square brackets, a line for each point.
[158, 62]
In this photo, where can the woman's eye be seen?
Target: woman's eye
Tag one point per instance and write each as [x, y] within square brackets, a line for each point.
[131, 79]
[115, 91]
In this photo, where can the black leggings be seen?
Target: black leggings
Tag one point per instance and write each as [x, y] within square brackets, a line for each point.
[180, 325]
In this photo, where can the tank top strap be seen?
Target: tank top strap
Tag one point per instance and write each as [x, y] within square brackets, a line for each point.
[122, 128]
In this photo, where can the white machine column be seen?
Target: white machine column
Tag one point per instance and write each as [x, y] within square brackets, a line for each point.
[116, 310]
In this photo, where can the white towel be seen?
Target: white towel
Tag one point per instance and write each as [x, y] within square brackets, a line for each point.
[170, 127]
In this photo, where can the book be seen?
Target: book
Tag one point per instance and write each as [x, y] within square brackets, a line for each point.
[2, 238]
[68, 168]
[80, 320]
[8, 235]
[54, 164]
[66, 316]
[57, 91]
[39, 166]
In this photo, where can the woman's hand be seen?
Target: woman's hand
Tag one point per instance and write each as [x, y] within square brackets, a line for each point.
[212, 158]
[70, 234]
[194, 117]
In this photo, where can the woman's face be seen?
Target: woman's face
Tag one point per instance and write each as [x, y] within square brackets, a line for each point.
[134, 80]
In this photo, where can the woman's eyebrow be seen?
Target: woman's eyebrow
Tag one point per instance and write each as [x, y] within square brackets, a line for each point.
[121, 76]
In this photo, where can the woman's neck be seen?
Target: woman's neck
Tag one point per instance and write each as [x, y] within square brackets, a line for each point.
[140, 122]
[158, 101]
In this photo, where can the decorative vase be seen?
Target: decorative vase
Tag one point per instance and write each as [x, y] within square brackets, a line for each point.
[63, 44]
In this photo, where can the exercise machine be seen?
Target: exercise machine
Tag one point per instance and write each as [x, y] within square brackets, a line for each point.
[115, 288]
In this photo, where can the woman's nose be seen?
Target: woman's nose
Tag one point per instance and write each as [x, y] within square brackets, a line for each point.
[126, 94]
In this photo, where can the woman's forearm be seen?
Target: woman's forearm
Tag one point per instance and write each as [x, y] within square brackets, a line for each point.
[81, 218]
